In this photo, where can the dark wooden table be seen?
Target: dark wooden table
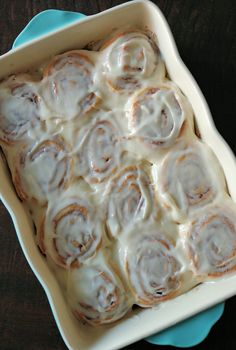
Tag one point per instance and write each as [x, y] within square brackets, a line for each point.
[205, 32]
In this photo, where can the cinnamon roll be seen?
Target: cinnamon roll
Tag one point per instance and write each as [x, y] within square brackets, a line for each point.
[152, 266]
[99, 151]
[131, 199]
[190, 178]
[157, 116]
[211, 242]
[68, 84]
[96, 295]
[19, 108]
[71, 233]
[130, 58]
[41, 170]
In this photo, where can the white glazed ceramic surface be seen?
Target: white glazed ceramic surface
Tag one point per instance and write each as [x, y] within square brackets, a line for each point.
[141, 323]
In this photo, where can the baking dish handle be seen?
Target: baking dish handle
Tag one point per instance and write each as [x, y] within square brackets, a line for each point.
[45, 22]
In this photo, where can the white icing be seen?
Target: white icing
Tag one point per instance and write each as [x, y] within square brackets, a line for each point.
[156, 116]
[211, 241]
[112, 83]
[72, 231]
[19, 109]
[98, 152]
[108, 171]
[96, 294]
[190, 178]
[67, 83]
[153, 267]
[131, 55]
[131, 198]
[43, 170]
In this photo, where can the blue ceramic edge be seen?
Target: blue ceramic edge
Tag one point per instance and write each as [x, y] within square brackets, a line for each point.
[185, 334]
[45, 22]
[189, 332]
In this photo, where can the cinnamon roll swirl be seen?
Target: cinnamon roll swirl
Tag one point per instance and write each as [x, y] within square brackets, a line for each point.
[157, 116]
[97, 296]
[131, 199]
[211, 242]
[43, 169]
[130, 58]
[190, 178]
[19, 108]
[68, 84]
[71, 233]
[99, 151]
[152, 267]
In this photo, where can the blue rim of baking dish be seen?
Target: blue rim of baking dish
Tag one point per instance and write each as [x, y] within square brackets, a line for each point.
[189, 332]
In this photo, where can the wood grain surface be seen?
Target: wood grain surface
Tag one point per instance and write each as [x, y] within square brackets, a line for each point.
[205, 33]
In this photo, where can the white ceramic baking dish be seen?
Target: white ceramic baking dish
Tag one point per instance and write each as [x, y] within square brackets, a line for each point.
[138, 324]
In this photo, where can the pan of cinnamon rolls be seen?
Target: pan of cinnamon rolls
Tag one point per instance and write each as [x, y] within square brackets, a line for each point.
[129, 204]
